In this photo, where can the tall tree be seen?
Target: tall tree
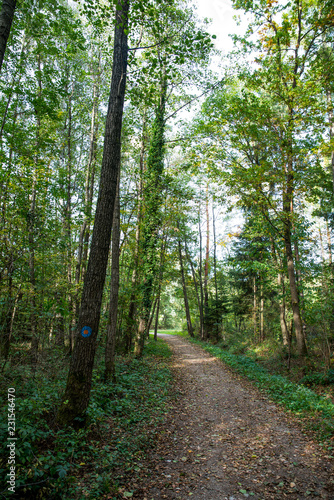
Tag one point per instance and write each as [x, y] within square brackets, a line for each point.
[6, 19]
[77, 393]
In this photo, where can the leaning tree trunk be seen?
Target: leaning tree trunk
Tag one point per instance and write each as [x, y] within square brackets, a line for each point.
[6, 19]
[109, 372]
[77, 393]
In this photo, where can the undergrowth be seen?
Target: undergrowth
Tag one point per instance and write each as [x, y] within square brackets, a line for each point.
[92, 462]
[315, 411]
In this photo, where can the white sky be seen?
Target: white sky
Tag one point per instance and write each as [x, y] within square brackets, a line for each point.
[221, 13]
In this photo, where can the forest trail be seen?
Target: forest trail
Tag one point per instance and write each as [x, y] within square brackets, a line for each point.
[225, 440]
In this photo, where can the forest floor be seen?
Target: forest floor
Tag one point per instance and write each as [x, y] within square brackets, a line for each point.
[224, 440]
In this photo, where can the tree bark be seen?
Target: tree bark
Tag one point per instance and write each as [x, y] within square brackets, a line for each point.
[156, 325]
[151, 317]
[89, 184]
[131, 317]
[254, 308]
[185, 295]
[329, 243]
[215, 270]
[201, 309]
[206, 267]
[109, 372]
[261, 313]
[331, 130]
[6, 20]
[288, 213]
[152, 204]
[195, 282]
[77, 393]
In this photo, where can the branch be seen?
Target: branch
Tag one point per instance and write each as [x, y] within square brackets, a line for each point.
[193, 99]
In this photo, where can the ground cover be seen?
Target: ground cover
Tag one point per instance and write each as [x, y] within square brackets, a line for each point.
[93, 462]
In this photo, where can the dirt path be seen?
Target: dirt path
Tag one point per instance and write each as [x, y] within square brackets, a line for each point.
[224, 440]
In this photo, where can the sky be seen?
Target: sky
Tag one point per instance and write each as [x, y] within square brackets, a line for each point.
[221, 13]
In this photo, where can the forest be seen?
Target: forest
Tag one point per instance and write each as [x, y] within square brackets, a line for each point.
[149, 183]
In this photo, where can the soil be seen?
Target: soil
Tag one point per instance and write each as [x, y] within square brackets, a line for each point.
[224, 440]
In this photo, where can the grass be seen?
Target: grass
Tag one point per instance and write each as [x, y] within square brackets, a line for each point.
[93, 462]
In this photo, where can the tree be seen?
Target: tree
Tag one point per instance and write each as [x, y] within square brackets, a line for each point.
[77, 392]
[6, 19]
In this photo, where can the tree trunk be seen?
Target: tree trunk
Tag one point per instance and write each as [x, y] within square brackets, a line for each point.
[288, 213]
[89, 185]
[152, 204]
[185, 295]
[131, 317]
[282, 317]
[206, 267]
[149, 324]
[114, 287]
[77, 393]
[31, 233]
[195, 282]
[329, 243]
[201, 310]
[261, 313]
[6, 19]
[331, 130]
[157, 317]
[215, 271]
[68, 215]
[254, 309]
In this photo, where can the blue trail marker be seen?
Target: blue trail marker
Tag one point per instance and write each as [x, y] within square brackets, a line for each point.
[86, 331]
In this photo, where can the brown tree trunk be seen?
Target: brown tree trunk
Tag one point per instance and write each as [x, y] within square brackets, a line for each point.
[195, 282]
[261, 313]
[329, 243]
[201, 310]
[157, 317]
[288, 213]
[149, 324]
[31, 234]
[281, 287]
[130, 325]
[331, 130]
[282, 316]
[152, 205]
[68, 215]
[215, 271]
[6, 20]
[77, 393]
[185, 295]
[254, 309]
[109, 372]
[89, 185]
[206, 267]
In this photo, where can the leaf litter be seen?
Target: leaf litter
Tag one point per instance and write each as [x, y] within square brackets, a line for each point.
[223, 440]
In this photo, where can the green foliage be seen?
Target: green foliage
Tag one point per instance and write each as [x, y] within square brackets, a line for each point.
[122, 416]
[326, 378]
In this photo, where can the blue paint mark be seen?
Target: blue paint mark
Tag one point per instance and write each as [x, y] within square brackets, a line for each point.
[86, 331]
